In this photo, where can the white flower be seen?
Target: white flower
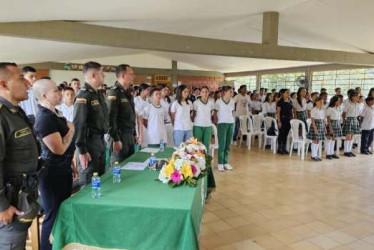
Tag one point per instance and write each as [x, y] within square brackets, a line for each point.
[162, 177]
[178, 164]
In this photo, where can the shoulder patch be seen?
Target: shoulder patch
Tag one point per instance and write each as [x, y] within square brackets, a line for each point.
[124, 100]
[81, 100]
[83, 89]
[112, 97]
[95, 102]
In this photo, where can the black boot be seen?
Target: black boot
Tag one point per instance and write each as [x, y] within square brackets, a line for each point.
[280, 149]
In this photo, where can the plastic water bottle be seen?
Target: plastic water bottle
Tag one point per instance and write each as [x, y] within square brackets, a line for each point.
[152, 162]
[116, 173]
[95, 184]
[162, 146]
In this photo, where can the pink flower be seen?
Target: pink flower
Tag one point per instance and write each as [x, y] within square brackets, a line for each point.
[194, 170]
[175, 177]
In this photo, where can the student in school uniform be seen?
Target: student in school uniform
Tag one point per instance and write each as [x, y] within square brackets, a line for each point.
[141, 100]
[334, 129]
[284, 116]
[317, 129]
[202, 113]
[242, 102]
[67, 106]
[350, 126]
[367, 126]
[181, 116]
[224, 118]
[300, 106]
[310, 104]
[361, 103]
[154, 115]
[256, 104]
[166, 103]
[269, 107]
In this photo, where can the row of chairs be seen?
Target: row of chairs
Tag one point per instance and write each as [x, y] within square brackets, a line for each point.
[253, 126]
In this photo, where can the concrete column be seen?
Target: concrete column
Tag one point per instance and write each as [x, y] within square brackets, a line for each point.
[270, 24]
[174, 73]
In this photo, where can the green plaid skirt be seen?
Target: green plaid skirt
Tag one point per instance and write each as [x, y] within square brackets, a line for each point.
[320, 124]
[336, 129]
[271, 115]
[351, 126]
[302, 116]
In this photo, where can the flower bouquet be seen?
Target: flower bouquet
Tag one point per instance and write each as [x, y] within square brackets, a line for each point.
[187, 164]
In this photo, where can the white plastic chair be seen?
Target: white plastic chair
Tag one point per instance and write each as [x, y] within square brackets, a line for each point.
[253, 132]
[243, 128]
[301, 141]
[308, 123]
[214, 145]
[272, 138]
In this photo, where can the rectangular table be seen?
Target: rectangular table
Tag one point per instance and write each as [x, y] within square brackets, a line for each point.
[138, 213]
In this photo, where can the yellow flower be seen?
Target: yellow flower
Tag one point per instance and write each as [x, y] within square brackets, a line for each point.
[186, 170]
[169, 169]
[194, 141]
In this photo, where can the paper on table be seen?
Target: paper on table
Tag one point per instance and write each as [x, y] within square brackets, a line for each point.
[135, 166]
[150, 150]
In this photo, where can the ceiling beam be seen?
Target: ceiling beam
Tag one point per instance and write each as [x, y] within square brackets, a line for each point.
[75, 32]
[137, 70]
[270, 24]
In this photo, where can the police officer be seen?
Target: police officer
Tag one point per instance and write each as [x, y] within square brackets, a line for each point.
[18, 154]
[122, 114]
[91, 123]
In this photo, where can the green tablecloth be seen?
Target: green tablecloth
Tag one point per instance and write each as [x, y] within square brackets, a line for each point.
[138, 213]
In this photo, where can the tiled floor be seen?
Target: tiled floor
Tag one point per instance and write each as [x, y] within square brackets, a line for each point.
[279, 202]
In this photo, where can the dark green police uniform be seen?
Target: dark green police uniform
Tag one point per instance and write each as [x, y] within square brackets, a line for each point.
[122, 118]
[91, 123]
[19, 154]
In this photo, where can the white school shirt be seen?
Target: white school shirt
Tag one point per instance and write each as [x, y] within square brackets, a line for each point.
[156, 130]
[242, 104]
[334, 113]
[182, 112]
[166, 106]
[309, 106]
[297, 106]
[67, 112]
[318, 114]
[368, 115]
[352, 109]
[140, 104]
[203, 110]
[269, 108]
[263, 98]
[30, 106]
[361, 107]
[256, 105]
[225, 111]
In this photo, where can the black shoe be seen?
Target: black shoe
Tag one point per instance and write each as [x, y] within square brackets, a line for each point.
[268, 146]
[370, 152]
[347, 154]
[314, 159]
[319, 159]
[335, 156]
[280, 152]
[352, 154]
[365, 153]
[329, 157]
[295, 150]
[286, 152]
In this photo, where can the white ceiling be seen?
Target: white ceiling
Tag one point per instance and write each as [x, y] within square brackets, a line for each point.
[328, 24]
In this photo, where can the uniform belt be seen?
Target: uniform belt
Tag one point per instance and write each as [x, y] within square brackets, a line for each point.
[96, 135]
